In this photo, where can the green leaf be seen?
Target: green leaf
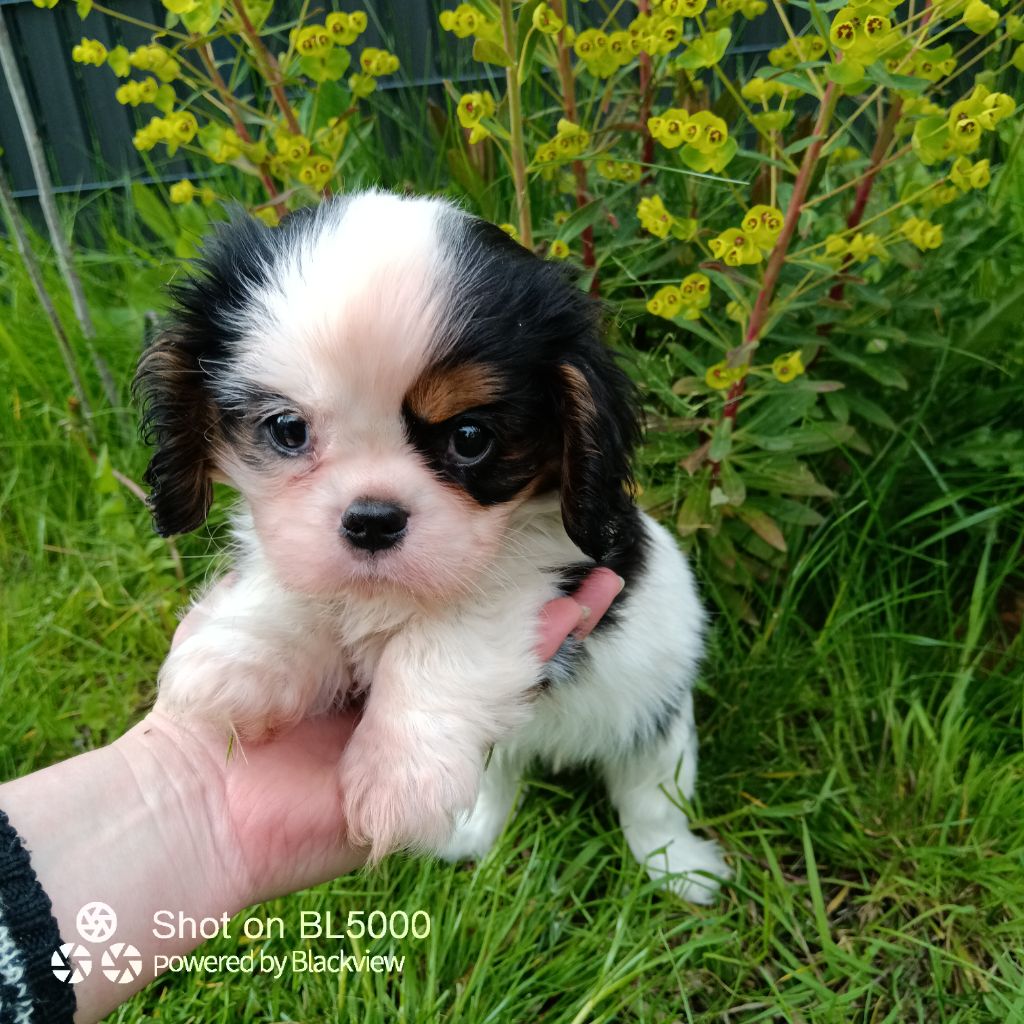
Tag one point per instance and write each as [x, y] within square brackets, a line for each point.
[153, 213]
[732, 484]
[846, 72]
[487, 52]
[721, 441]
[580, 219]
[905, 83]
[764, 526]
[786, 477]
[694, 513]
[201, 19]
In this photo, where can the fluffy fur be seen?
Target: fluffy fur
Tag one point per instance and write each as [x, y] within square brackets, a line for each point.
[399, 356]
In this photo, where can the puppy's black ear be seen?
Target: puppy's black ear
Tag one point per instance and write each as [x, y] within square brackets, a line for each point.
[178, 419]
[601, 427]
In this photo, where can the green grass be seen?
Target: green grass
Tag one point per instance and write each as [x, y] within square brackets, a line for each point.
[862, 746]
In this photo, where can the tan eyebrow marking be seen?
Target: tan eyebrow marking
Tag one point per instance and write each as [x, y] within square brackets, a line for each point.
[443, 392]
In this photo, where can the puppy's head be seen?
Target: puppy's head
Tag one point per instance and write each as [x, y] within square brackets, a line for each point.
[385, 380]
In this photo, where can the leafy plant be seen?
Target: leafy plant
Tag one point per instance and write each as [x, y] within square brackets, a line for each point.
[755, 228]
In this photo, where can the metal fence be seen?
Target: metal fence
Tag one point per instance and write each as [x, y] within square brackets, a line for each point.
[87, 134]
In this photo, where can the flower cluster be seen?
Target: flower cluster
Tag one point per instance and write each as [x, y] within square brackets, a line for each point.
[375, 63]
[863, 33]
[626, 171]
[546, 21]
[602, 54]
[747, 244]
[174, 130]
[858, 249]
[685, 300]
[473, 107]
[155, 58]
[89, 51]
[940, 135]
[797, 51]
[569, 142]
[185, 192]
[922, 233]
[704, 135]
[966, 175]
[659, 222]
[467, 21]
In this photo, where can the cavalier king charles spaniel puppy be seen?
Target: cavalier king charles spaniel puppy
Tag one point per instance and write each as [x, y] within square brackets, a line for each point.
[430, 441]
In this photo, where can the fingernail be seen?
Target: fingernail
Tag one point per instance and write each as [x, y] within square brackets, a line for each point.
[585, 613]
[622, 583]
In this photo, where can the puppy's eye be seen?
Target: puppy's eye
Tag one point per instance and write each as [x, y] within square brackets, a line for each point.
[289, 433]
[470, 443]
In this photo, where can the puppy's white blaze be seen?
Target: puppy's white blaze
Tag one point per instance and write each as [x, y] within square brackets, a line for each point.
[359, 300]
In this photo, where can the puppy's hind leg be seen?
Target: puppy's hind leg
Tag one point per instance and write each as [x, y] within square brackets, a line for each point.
[644, 786]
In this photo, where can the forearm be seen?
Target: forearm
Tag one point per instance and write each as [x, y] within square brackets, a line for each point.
[134, 825]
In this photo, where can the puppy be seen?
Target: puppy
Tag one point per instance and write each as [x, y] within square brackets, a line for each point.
[430, 441]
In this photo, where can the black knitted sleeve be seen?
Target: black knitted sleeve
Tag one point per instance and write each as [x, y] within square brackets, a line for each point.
[30, 991]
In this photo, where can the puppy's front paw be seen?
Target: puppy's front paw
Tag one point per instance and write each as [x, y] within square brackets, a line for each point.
[248, 689]
[400, 795]
[690, 867]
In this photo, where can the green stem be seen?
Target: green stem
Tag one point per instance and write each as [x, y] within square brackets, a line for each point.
[515, 116]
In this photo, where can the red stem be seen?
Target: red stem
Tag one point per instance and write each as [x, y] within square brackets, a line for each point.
[759, 314]
[273, 69]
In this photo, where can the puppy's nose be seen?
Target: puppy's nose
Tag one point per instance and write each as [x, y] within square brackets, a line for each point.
[373, 525]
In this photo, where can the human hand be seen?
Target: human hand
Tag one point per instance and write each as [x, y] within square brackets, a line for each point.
[279, 807]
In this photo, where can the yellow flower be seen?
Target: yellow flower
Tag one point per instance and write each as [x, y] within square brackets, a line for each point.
[207, 196]
[183, 191]
[315, 171]
[48, 4]
[559, 250]
[181, 128]
[667, 128]
[545, 20]
[221, 147]
[654, 217]
[362, 85]
[735, 248]
[695, 293]
[157, 59]
[980, 18]
[511, 230]
[735, 311]
[293, 148]
[788, 367]
[180, 6]
[763, 224]
[345, 28]
[376, 62]
[269, 216]
[722, 375]
[478, 133]
[146, 138]
[474, 106]
[966, 175]
[761, 90]
[922, 233]
[314, 41]
[863, 246]
[666, 302]
[89, 51]
[706, 132]
[465, 21]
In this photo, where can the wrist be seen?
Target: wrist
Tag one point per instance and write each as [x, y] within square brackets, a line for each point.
[135, 825]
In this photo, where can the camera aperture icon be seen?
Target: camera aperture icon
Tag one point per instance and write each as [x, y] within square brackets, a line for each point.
[96, 921]
[71, 963]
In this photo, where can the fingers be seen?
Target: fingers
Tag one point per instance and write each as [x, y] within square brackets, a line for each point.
[579, 613]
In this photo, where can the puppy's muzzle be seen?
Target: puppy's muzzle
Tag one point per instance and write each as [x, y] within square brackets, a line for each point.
[373, 525]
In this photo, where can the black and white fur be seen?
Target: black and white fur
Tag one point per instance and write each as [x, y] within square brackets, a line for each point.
[385, 353]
